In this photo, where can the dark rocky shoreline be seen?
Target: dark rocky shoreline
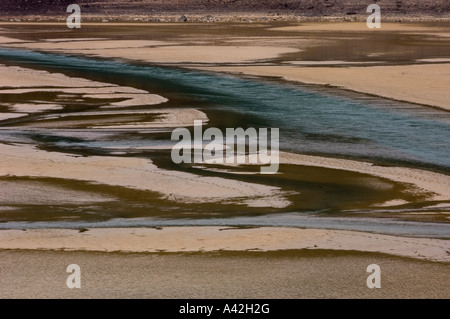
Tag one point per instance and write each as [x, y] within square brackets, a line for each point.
[219, 10]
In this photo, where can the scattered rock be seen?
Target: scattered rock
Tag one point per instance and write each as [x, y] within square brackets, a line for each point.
[215, 10]
[183, 18]
[208, 18]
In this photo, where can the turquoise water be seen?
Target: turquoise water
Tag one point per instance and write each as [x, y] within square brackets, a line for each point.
[310, 120]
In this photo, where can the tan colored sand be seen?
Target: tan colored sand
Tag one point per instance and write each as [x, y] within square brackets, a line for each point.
[167, 119]
[435, 184]
[130, 96]
[90, 44]
[34, 80]
[133, 173]
[326, 63]
[437, 34]
[193, 54]
[304, 26]
[8, 115]
[422, 84]
[193, 239]
[5, 40]
[37, 107]
[182, 112]
[107, 89]
[219, 275]
[41, 193]
[436, 60]
[145, 51]
[17, 77]
[129, 99]
[395, 202]
[357, 26]
[74, 39]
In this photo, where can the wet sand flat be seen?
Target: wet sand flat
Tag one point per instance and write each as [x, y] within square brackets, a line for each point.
[135, 173]
[359, 26]
[198, 239]
[164, 52]
[212, 262]
[434, 183]
[421, 84]
[284, 274]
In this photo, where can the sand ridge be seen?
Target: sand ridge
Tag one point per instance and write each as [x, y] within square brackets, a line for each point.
[135, 173]
[168, 53]
[207, 239]
[421, 84]
[436, 185]
[357, 27]
[15, 79]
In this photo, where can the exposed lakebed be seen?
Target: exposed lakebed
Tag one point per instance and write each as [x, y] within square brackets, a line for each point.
[319, 121]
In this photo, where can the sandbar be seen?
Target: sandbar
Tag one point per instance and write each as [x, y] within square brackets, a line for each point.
[209, 239]
[421, 84]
